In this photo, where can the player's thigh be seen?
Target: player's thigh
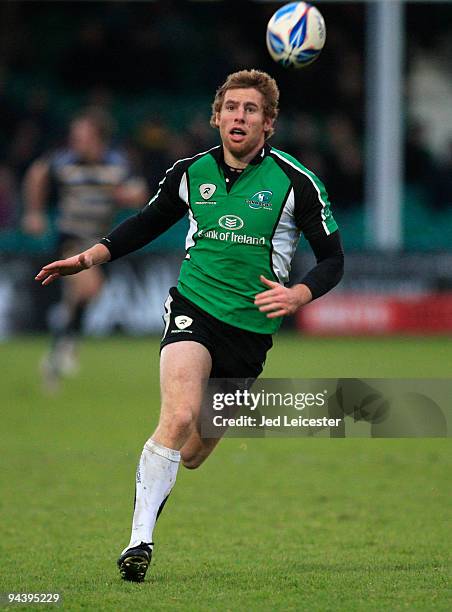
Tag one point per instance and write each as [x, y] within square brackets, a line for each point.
[184, 372]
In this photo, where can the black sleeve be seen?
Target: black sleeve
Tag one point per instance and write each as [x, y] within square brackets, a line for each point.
[313, 217]
[163, 211]
[330, 264]
[312, 208]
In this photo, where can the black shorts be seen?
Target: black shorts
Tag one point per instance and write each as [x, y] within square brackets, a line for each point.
[235, 352]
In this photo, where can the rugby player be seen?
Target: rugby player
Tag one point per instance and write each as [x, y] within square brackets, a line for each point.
[91, 180]
[248, 204]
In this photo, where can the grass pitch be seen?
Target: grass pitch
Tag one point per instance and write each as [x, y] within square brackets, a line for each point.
[270, 524]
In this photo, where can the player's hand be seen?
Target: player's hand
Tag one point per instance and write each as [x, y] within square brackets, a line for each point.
[34, 223]
[278, 301]
[64, 267]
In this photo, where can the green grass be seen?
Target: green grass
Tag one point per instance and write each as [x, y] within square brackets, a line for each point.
[265, 524]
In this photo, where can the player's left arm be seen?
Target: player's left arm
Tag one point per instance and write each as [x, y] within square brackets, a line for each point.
[279, 301]
[313, 217]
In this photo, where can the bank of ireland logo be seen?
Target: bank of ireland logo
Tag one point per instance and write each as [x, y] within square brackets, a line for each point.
[230, 222]
[207, 190]
[182, 322]
[261, 199]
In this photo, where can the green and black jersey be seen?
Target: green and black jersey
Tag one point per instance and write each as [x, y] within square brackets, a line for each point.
[239, 229]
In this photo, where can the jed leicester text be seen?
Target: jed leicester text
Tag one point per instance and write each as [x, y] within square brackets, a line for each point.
[278, 421]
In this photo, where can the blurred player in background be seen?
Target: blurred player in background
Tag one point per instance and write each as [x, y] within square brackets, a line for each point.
[248, 204]
[91, 181]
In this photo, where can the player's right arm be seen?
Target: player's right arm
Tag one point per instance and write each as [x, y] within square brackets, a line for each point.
[140, 229]
[35, 193]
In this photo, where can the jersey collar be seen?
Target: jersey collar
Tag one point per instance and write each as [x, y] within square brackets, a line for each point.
[257, 159]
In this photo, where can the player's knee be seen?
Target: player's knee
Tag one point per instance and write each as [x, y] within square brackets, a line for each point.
[184, 419]
[177, 421]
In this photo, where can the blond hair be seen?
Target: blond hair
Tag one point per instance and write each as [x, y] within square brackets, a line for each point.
[244, 79]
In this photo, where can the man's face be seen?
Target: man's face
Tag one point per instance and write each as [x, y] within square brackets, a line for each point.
[242, 122]
[84, 137]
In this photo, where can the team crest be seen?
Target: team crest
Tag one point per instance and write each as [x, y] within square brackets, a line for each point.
[261, 199]
[207, 190]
